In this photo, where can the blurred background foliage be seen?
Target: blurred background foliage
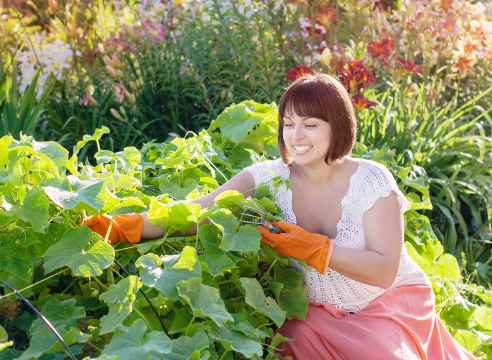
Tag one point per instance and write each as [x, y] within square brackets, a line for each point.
[419, 73]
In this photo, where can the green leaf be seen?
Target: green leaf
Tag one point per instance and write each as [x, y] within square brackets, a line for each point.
[468, 340]
[215, 265]
[232, 340]
[53, 235]
[68, 193]
[291, 297]
[446, 267]
[166, 272]
[54, 151]
[226, 222]
[433, 249]
[129, 157]
[230, 199]
[74, 251]
[247, 238]
[63, 316]
[236, 121]
[210, 238]
[177, 216]
[97, 135]
[13, 253]
[4, 337]
[132, 343]
[483, 317]
[184, 347]
[205, 301]
[32, 206]
[422, 262]
[174, 189]
[255, 297]
[4, 149]
[120, 298]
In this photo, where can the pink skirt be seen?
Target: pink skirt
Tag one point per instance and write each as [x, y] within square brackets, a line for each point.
[401, 324]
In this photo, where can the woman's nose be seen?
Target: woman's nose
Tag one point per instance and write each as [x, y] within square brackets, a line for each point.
[298, 133]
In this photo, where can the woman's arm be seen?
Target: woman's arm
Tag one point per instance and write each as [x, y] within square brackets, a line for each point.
[378, 265]
[243, 182]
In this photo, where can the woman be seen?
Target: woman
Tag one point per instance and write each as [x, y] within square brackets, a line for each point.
[368, 298]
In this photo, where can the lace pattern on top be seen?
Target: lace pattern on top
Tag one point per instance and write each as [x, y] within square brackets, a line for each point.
[370, 182]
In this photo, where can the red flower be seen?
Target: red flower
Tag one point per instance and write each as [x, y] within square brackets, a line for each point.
[410, 65]
[379, 48]
[356, 76]
[361, 102]
[299, 71]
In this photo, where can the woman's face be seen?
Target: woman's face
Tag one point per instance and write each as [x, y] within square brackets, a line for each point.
[306, 139]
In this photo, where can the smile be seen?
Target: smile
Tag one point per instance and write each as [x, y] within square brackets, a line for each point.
[302, 149]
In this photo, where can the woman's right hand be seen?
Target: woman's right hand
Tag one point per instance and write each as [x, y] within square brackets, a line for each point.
[126, 228]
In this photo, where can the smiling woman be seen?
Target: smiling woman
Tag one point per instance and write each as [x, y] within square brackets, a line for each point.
[367, 298]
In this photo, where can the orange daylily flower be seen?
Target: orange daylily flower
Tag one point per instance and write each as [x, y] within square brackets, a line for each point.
[299, 71]
[361, 102]
[326, 15]
[463, 65]
[377, 48]
[409, 66]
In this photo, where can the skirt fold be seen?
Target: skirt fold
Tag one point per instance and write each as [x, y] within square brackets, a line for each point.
[401, 324]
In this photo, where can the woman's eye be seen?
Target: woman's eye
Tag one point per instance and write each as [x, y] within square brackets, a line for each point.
[287, 124]
[311, 126]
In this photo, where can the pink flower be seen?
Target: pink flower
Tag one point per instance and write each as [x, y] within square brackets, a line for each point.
[88, 100]
[486, 54]
[448, 26]
[377, 48]
[121, 92]
[157, 32]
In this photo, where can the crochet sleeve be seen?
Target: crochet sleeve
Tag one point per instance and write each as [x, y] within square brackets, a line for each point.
[379, 182]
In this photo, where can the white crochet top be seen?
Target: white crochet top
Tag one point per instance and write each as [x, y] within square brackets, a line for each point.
[370, 181]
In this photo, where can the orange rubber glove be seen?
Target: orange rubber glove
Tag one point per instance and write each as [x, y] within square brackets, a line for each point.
[125, 228]
[315, 249]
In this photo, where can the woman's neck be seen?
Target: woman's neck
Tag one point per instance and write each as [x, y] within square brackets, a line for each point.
[321, 173]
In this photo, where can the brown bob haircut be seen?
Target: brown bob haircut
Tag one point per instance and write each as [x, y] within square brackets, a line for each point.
[324, 97]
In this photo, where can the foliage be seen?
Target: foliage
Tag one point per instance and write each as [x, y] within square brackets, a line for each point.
[220, 293]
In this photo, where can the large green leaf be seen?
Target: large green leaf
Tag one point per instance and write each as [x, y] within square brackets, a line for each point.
[32, 206]
[174, 188]
[205, 301]
[173, 217]
[233, 340]
[53, 235]
[291, 296]
[247, 238]
[166, 272]
[74, 251]
[446, 267]
[184, 347]
[13, 252]
[69, 192]
[215, 265]
[63, 316]
[468, 340]
[255, 297]
[131, 343]
[120, 298]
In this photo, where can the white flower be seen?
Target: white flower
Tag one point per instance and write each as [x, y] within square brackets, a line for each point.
[27, 77]
[41, 84]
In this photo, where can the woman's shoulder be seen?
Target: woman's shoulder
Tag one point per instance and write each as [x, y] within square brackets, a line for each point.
[376, 181]
[264, 171]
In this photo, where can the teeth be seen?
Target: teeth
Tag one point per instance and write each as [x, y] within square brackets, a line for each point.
[301, 148]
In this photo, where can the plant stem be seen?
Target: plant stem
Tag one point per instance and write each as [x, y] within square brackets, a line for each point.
[143, 318]
[268, 271]
[224, 354]
[106, 238]
[104, 287]
[94, 346]
[191, 322]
